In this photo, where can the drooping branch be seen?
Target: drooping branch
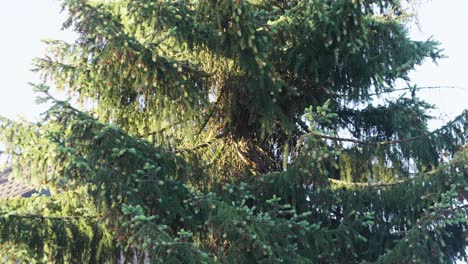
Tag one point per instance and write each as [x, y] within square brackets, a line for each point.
[363, 142]
[203, 145]
[405, 89]
[53, 218]
[362, 184]
[389, 142]
[415, 89]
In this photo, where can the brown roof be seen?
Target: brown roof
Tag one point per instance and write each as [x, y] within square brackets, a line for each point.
[13, 188]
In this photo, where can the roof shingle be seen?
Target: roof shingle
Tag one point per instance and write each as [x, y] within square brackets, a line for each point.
[12, 188]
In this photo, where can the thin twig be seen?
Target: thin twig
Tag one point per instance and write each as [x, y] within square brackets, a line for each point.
[415, 88]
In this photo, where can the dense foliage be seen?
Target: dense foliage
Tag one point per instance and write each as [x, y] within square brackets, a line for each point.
[236, 131]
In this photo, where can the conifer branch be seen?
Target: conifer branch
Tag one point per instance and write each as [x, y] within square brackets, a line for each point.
[53, 218]
[373, 184]
[212, 111]
[203, 145]
[357, 141]
[382, 184]
[414, 89]
[406, 89]
[389, 142]
[160, 130]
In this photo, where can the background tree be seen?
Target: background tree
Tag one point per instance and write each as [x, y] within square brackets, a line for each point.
[212, 131]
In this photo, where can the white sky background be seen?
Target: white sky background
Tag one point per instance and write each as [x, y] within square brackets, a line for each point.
[23, 23]
[446, 21]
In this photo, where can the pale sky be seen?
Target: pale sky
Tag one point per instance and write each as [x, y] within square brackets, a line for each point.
[24, 22]
[446, 21]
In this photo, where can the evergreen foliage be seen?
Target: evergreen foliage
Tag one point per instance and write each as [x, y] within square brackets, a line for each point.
[212, 132]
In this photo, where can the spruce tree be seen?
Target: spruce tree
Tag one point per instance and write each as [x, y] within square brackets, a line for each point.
[236, 131]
